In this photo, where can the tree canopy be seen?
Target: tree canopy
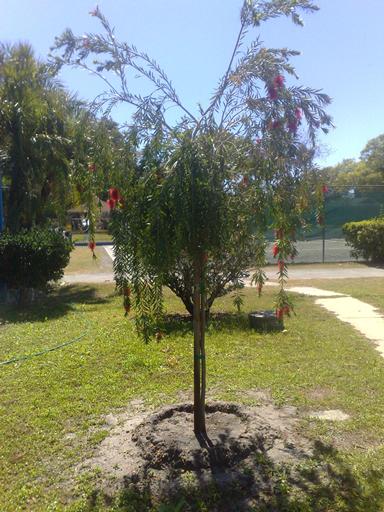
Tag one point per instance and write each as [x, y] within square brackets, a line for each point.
[367, 171]
[242, 163]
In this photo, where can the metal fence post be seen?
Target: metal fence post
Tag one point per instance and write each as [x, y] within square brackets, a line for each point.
[323, 232]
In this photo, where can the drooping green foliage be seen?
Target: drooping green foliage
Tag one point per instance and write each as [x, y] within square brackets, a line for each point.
[173, 188]
[239, 163]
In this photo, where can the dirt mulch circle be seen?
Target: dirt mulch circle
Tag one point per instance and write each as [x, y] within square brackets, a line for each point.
[242, 455]
[233, 434]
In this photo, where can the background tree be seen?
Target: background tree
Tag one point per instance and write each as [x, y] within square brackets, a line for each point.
[33, 136]
[373, 156]
[366, 172]
[180, 195]
[49, 141]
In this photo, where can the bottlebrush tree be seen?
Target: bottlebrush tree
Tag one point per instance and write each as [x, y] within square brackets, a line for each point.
[242, 163]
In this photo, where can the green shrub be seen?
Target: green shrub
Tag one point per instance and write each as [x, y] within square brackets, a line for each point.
[366, 239]
[30, 259]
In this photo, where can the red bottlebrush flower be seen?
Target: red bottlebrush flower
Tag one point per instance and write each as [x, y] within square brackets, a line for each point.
[272, 93]
[111, 204]
[114, 194]
[278, 81]
[92, 167]
[275, 250]
[245, 181]
[159, 336]
[281, 265]
[324, 189]
[292, 126]
[279, 313]
[276, 125]
[91, 245]
[298, 114]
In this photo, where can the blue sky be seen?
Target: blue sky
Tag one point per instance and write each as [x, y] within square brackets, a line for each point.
[342, 49]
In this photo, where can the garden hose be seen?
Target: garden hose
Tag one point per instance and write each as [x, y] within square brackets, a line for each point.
[42, 352]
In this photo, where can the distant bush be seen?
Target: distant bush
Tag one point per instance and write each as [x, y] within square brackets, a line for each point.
[30, 259]
[366, 239]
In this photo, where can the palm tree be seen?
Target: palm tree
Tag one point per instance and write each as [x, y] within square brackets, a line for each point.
[34, 136]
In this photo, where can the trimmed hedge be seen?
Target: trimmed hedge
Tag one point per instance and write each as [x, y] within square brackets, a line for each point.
[366, 239]
[30, 259]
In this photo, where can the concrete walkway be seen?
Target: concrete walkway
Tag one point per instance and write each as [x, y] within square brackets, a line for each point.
[97, 278]
[362, 316]
[326, 272]
[296, 272]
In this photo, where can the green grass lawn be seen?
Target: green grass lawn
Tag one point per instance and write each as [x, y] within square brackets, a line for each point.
[100, 236]
[52, 406]
[82, 262]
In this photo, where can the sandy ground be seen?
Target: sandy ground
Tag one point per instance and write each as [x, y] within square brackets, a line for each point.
[295, 272]
[241, 456]
[156, 451]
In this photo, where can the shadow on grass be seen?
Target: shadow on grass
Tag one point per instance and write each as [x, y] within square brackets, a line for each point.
[180, 324]
[322, 483]
[57, 303]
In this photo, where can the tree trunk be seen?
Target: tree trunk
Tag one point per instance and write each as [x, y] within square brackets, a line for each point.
[202, 352]
[199, 365]
[188, 301]
[189, 307]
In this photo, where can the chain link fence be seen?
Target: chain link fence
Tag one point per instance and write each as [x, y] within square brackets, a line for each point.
[326, 244]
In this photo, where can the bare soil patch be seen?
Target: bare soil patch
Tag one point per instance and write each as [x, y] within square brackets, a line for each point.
[242, 454]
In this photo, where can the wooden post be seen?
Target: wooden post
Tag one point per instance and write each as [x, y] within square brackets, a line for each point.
[196, 346]
[202, 351]
[199, 366]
